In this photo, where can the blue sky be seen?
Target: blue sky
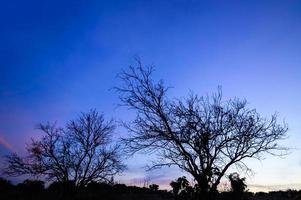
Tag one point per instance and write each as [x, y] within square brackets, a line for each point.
[58, 58]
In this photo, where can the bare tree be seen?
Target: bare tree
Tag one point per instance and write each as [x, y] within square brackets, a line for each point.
[80, 152]
[202, 135]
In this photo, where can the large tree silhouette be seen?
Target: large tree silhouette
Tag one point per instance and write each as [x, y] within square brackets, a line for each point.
[80, 152]
[202, 135]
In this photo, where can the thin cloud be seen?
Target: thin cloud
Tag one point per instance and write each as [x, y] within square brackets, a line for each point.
[6, 144]
[268, 188]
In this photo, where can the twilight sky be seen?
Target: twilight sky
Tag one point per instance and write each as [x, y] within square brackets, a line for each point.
[58, 58]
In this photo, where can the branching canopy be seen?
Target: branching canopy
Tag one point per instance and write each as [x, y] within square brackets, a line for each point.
[80, 152]
[202, 135]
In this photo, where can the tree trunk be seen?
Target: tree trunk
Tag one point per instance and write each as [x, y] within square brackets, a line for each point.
[203, 190]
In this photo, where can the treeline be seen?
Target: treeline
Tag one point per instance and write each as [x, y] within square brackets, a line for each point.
[37, 190]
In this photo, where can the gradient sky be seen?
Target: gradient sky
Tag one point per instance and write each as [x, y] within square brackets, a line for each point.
[58, 58]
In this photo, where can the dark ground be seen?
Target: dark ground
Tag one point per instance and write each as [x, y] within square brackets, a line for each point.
[35, 190]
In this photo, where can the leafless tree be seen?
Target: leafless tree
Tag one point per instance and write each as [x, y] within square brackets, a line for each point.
[202, 135]
[80, 152]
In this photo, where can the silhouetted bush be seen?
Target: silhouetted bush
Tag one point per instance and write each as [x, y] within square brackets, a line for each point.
[154, 187]
[6, 189]
[238, 186]
[62, 190]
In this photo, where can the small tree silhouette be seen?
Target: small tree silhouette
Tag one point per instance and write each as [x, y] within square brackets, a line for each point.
[80, 152]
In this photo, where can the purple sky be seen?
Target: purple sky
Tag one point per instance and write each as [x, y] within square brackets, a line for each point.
[59, 58]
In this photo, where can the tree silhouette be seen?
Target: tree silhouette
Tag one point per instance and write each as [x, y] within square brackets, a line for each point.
[81, 152]
[202, 135]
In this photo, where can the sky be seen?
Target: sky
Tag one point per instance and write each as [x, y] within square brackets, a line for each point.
[59, 58]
